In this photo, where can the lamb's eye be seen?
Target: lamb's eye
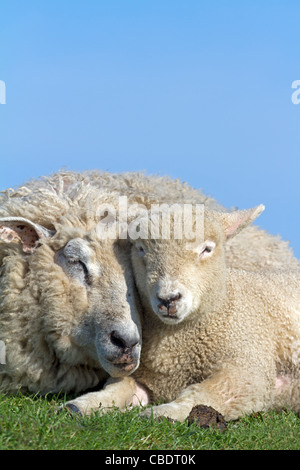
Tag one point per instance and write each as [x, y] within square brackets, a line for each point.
[207, 249]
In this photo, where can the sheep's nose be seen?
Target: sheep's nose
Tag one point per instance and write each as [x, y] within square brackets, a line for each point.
[124, 342]
[126, 350]
[169, 304]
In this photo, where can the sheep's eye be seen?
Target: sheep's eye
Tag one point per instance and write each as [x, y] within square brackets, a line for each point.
[79, 266]
[86, 271]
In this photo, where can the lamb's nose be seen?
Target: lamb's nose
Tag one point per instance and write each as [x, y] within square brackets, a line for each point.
[169, 304]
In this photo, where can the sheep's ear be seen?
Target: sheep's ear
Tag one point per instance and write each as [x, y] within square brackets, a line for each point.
[234, 222]
[23, 231]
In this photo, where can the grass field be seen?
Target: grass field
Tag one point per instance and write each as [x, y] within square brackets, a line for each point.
[28, 422]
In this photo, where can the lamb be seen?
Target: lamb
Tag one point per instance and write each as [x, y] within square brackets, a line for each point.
[219, 337]
[212, 335]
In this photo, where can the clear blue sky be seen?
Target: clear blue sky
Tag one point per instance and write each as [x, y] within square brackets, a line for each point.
[199, 90]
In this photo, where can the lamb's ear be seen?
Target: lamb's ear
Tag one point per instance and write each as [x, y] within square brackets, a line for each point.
[21, 230]
[234, 222]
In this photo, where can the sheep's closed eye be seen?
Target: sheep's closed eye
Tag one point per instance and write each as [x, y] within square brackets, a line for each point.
[74, 259]
[79, 267]
[78, 262]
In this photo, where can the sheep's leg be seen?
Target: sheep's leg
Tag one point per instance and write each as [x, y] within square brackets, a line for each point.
[233, 395]
[119, 392]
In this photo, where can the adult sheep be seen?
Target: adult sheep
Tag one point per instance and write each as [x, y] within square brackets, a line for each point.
[67, 319]
[69, 311]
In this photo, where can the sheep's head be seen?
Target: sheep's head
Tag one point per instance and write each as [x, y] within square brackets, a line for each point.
[84, 291]
[177, 277]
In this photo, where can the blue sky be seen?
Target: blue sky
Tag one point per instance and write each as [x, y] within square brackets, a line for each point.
[198, 90]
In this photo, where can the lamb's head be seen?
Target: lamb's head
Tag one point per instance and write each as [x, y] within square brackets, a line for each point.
[84, 293]
[177, 277]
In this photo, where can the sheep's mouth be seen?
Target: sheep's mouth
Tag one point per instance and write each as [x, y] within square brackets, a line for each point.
[126, 362]
[126, 367]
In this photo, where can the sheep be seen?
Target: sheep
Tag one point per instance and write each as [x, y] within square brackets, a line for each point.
[69, 315]
[69, 312]
[212, 334]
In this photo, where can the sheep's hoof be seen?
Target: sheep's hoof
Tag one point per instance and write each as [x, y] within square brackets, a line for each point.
[73, 408]
[206, 417]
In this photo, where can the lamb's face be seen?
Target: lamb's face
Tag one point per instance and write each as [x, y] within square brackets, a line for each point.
[107, 326]
[175, 278]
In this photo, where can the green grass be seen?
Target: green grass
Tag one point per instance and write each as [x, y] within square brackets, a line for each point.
[28, 422]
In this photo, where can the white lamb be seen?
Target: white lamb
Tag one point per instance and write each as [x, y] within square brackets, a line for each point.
[212, 335]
